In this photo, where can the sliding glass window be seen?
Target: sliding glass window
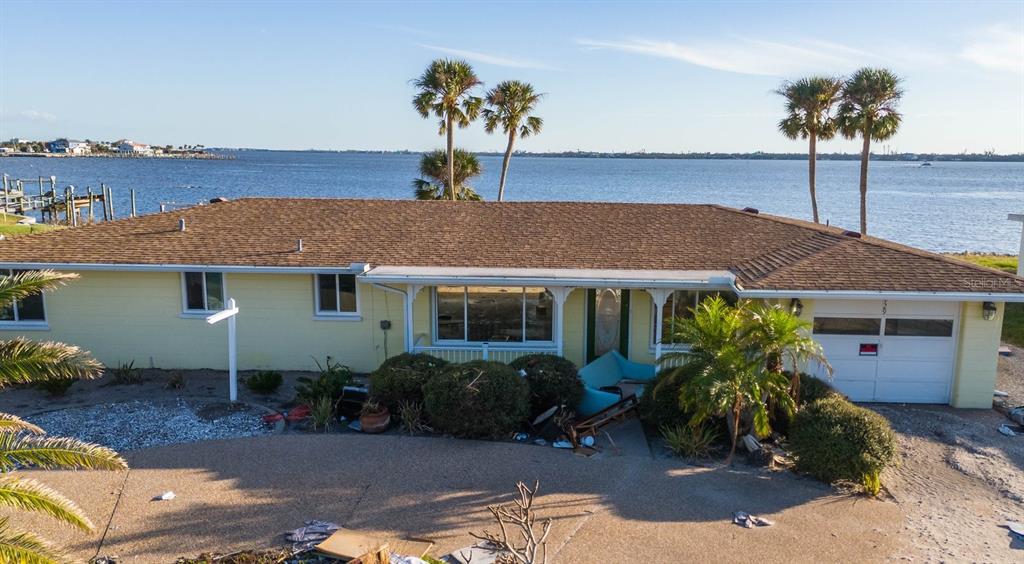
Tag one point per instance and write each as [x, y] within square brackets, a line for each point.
[495, 314]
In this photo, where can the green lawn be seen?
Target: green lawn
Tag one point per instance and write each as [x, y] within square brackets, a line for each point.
[1013, 322]
[10, 228]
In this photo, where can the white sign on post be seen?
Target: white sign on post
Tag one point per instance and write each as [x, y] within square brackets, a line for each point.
[229, 314]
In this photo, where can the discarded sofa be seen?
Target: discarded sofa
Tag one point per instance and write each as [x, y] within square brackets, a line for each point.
[608, 371]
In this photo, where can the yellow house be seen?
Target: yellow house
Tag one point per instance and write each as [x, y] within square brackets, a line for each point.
[363, 280]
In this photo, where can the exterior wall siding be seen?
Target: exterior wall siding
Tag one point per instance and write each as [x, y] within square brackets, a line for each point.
[977, 357]
[137, 316]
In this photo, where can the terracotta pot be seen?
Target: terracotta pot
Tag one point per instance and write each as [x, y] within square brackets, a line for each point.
[375, 422]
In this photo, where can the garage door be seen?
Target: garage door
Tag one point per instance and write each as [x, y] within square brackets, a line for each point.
[888, 351]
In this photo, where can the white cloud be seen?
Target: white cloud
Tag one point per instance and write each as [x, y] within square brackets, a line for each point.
[36, 115]
[748, 56]
[998, 47]
[489, 59]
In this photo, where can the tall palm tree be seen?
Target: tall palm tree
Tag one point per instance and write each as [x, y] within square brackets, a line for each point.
[809, 103]
[445, 90]
[434, 170]
[510, 107]
[24, 445]
[868, 109]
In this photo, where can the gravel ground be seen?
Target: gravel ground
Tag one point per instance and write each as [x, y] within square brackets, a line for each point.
[1011, 377]
[143, 424]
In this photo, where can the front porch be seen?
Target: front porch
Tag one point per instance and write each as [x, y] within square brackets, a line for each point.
[498, 314]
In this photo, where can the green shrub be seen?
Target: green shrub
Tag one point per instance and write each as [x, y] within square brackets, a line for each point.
[659, 404]
[477, 399]
[690, 441]
[321, 414]
[813, 389]
[553, 380]
[401, 378]
[330, 383]
[176, 381]
[125, 374]
[264, 382]
[56, 388]
[834, 440]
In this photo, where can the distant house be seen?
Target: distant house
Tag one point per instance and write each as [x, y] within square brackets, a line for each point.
[5, 150]
[70, 146]
[126, 147]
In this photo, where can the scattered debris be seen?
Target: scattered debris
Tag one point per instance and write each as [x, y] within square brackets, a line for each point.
[1016, 415]
[521, 437]
[166, 496]
[356, 426]
[348, 544]
[1000, 394]
[748, 521]
[540, 442]
[1006, 430]
[1004, 351]
[1015, 528]
[587, 441]
[562, 444]
[311, 532]
[483, 553]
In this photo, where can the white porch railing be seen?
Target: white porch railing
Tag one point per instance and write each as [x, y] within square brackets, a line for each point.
[485, 351]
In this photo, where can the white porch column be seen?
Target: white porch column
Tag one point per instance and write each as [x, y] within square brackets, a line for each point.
[660, 296]
[560, 294]
[1020, 255]
[410, 296]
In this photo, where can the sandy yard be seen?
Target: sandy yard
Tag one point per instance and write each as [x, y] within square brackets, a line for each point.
[958, 482]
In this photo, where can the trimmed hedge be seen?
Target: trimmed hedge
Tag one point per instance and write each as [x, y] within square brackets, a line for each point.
[553, 380]
[659, 405]
[813, 389]
[477, 399]
[834, 440]
[401, 378]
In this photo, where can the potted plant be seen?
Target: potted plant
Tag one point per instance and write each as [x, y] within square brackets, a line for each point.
[374, 417]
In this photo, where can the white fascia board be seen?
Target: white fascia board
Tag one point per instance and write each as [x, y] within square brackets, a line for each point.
[354, 268]
[550, 277]
[869, 295]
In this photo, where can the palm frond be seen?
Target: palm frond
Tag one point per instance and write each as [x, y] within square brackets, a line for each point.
[25, 494]
[30, 283]
[26, 548]
[14, 424]
[52, 453]
[23, 361]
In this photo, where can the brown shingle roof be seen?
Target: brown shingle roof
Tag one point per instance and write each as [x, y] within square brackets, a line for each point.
[765, 252]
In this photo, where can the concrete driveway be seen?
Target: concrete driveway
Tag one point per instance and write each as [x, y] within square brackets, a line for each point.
[243, 493]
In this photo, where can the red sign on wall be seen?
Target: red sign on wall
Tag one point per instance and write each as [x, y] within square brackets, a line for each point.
[869, 349]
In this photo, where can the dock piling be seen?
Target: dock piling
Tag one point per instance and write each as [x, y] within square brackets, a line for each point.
[132, 192]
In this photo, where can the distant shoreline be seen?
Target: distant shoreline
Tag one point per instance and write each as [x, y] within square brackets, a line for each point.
[754, 156]
[193, 156]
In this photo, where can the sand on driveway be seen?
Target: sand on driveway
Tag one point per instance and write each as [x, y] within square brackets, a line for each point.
[243, 493]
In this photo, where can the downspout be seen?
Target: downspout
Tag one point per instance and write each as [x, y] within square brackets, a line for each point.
[407, 301]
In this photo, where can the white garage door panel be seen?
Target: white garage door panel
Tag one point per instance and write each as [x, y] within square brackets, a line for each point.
[911, 392]
[907, 369]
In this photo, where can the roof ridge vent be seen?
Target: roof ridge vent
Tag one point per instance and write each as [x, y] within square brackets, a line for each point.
[854, 234]
[754, 211]
[181, 224]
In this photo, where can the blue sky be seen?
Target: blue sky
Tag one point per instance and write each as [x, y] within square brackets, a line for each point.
[618, 76]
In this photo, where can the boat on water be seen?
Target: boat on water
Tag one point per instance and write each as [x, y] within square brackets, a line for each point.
[926, 164]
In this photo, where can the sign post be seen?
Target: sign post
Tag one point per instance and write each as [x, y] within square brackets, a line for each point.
[230, 313]
[1020, 255]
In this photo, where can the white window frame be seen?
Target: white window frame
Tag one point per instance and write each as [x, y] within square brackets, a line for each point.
[656, 318]
[336, 315]
[465, 342]
[185, 311]
[30, 324]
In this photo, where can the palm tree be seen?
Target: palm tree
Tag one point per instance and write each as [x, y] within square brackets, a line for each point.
[445, 90]
[779, 338]
[511, 104]
[24, 445]
[739, 353]
[809, 103]
[434, 167]
[868, 109]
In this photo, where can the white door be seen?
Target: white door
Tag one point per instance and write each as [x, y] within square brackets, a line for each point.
[888, 351]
